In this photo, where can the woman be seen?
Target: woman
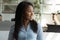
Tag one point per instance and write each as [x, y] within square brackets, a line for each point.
[25, 27]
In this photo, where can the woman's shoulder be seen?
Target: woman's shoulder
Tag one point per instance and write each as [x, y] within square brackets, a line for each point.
[39, 26]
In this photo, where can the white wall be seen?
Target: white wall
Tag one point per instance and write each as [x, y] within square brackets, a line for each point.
[7, 17]
[46, 19]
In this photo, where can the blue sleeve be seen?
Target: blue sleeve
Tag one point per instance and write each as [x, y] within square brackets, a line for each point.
[39, 33]
[10, 37]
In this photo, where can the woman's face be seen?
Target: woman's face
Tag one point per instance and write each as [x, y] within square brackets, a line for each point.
[29, 13]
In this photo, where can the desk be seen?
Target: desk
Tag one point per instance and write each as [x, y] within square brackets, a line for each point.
[46, 35]
[53, 28]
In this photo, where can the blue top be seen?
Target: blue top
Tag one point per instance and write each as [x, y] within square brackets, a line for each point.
[27, 34]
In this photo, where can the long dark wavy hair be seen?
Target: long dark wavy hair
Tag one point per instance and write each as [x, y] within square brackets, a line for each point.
[19, 17]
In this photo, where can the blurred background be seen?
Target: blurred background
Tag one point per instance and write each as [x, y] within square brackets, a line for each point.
[47, 13]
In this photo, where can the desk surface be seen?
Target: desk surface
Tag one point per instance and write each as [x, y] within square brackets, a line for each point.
[5, 25]
[46, 35]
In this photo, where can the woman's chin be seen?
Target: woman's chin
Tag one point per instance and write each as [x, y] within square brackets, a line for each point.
[31, 19]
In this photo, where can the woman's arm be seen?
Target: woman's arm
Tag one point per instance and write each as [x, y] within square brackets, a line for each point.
[11, 33]
[39, 33]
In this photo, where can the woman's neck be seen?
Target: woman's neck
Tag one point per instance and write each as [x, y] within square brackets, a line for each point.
[25, 23]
